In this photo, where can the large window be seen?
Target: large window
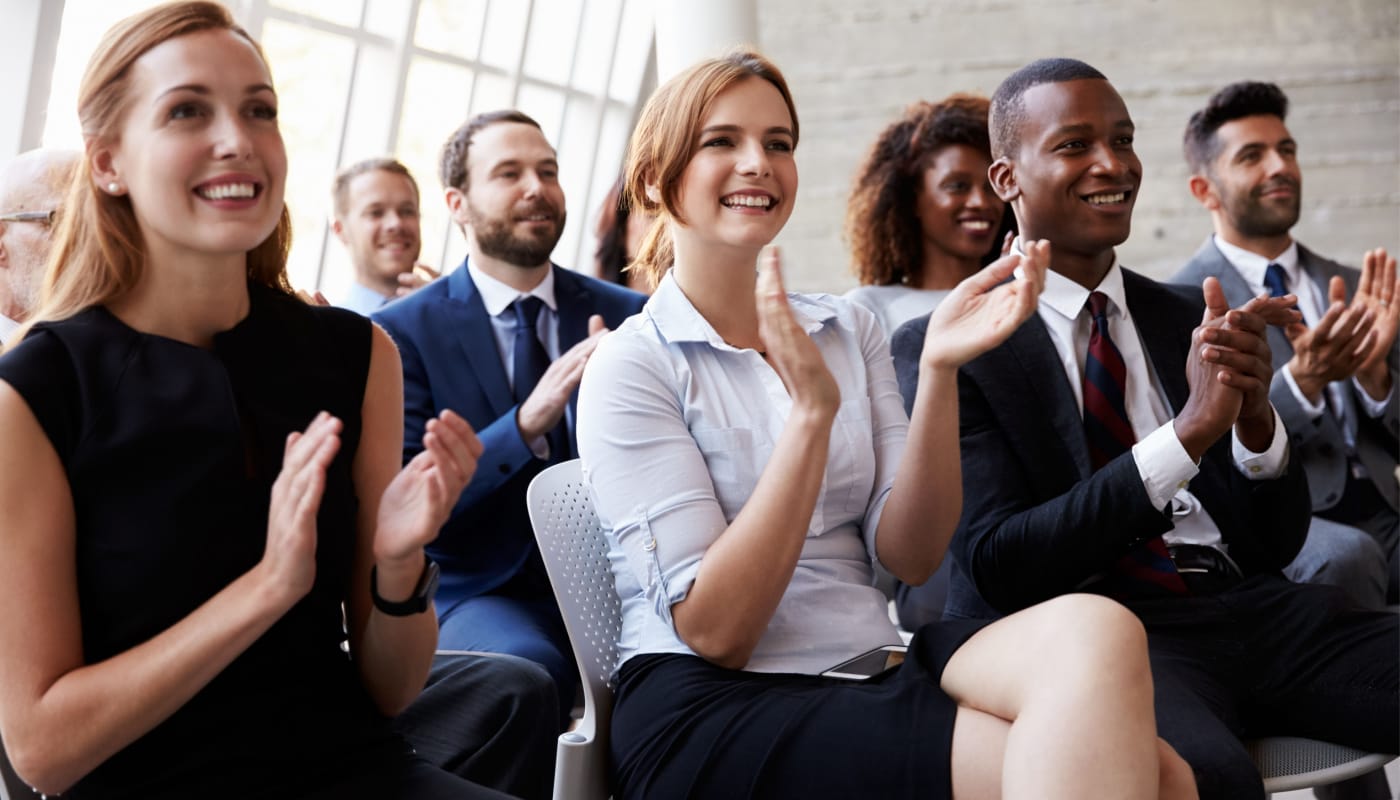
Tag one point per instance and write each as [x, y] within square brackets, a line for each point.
[364, 78]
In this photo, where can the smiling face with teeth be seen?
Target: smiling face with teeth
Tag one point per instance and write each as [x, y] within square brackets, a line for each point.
[380, 228]
[736, 192]
[959, 214]
[1074, 175]
[199, 152]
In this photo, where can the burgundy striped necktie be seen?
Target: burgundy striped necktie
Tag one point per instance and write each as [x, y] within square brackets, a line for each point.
[1147, 568]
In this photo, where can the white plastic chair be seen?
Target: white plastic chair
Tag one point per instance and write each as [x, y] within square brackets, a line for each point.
[575, 554]
[1287, 762]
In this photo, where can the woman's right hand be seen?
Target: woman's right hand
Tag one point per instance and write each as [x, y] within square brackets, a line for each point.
[289, 559]
[788, 348]
[986, 308]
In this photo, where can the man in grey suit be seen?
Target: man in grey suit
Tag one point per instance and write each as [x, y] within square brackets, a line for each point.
[1334, 382]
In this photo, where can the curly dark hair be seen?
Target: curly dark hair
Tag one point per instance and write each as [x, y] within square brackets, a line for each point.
[882, 225]
[1236, 101]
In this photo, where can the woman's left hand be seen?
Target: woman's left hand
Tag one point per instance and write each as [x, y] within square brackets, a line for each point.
[985, 308]
[418, 500]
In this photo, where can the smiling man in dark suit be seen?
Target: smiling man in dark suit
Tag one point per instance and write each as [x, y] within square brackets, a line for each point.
[502, 341]
[1122, 442]
[1334, 378]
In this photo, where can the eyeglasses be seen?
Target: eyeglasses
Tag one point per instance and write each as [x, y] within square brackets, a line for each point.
[42, 217]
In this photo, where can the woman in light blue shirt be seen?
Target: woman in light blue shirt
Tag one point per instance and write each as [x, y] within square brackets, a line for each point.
[745, 450]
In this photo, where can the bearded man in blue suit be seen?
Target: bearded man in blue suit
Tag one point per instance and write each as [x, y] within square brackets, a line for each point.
[502, 340]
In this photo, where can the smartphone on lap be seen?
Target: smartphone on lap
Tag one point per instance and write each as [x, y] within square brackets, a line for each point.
[869, 664]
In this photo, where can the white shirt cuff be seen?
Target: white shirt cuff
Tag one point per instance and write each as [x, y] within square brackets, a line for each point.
[1313, 410]
[1163, 464]
[1263, 466]
[1373, 408]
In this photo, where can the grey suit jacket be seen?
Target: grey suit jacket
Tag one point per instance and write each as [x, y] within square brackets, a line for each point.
[1320, 444]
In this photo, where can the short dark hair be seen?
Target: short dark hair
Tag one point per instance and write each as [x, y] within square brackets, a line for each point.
[340, 190]
[1008, 111]
[1236, 101]
[452, 164]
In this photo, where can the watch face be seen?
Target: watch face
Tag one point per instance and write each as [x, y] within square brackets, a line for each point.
[427, 588]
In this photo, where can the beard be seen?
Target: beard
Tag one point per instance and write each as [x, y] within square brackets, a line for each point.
[1252, 217]
[497, 238]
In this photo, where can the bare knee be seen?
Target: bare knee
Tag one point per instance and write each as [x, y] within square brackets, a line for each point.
[1096, 634]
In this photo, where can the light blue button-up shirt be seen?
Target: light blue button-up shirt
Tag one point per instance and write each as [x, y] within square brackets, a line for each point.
[675, 428]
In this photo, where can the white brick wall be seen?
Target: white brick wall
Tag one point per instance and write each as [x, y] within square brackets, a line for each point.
[854, 65]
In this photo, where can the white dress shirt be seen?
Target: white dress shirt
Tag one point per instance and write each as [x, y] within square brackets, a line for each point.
[7, 327]
[675, 428]
[1164, 465]
[499, 298]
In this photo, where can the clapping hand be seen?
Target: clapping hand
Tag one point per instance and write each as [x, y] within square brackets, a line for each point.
[985, 308]
[418, 500]
[1229, 369]
[788, 348]
[1379, 292]
[290, 552]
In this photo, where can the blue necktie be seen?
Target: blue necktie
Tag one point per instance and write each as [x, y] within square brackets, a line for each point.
[1147, 568]
[1275, 280]
[530, 361]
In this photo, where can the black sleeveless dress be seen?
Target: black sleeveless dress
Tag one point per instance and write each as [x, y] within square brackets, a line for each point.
[171, 451]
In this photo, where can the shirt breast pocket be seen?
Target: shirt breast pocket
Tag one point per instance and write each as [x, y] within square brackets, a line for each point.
[733, 465]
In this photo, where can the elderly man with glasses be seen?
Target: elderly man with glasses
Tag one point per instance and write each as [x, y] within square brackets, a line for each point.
[31, 189]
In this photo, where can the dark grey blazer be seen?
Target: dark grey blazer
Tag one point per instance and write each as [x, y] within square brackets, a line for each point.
[1319, 444]
[1037, 521]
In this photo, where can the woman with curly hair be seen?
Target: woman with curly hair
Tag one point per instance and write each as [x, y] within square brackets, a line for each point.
[923, 215]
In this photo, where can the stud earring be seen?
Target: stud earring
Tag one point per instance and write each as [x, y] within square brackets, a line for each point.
[114, 187]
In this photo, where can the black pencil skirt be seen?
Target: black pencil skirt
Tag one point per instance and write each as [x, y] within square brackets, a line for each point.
[684, 728]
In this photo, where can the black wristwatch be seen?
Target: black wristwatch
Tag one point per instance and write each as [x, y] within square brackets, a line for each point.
[422, 595]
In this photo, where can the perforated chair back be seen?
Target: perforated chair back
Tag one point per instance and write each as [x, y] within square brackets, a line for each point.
[1289, 762]
[575, 554]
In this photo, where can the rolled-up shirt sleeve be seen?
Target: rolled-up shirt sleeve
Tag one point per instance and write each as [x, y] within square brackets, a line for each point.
[649, 481]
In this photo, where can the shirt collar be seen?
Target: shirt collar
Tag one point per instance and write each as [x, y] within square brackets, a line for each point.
[7, 327]
[1067, 298]
[1251, 266]
[677, 319]
[363, 299]
[498, 296]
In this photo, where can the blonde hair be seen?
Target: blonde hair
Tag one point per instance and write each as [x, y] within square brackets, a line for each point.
[665, 140]
[98, 254]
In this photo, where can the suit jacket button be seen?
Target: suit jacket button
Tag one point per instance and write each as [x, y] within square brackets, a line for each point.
[1327, 449]
[1332, 498]
[504, 468]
